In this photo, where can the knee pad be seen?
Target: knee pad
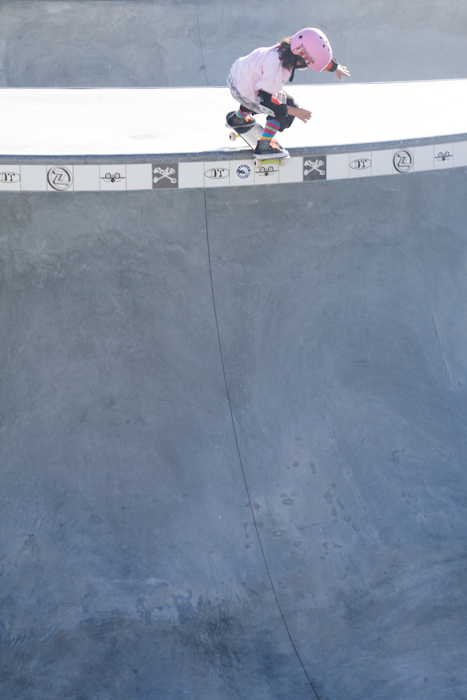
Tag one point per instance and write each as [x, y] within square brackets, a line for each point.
[288, 120]
[270, 106]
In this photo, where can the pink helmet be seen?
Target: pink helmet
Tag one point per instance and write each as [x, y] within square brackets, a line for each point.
[313, 46]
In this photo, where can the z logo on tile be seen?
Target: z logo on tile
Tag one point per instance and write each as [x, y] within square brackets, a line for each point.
[403, 161]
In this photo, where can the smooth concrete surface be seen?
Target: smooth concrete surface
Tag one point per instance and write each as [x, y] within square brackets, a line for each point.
[142, 43]
[154, 122]
[233, 442]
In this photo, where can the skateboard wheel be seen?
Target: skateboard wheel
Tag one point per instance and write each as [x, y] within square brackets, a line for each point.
[232, 136]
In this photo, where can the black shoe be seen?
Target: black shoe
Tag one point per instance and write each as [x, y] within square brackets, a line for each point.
[266, 149]
[233, 121]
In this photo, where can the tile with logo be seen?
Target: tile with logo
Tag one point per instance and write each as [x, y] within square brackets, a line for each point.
[165, 176]
[267, 173]
[443, 156]
[60, 178]
[10, 178]
[217, 174]
[112, 178]
[403, 160]
[242, 173]
[314, 168]
[360, 164]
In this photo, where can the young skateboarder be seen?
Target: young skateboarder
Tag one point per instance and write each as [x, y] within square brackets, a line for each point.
[256, 82]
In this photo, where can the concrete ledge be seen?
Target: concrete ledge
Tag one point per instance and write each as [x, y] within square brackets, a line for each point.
[133, 139]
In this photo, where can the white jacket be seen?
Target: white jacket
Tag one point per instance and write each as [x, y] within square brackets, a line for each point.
[260, 70]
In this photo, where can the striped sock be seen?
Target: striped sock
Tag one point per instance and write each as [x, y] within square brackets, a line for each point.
[271, 128]
[241, 114]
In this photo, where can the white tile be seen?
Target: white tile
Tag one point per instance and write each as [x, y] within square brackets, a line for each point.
[360, 164]
[381, 163]
[423, 158]
[338, 166]
[112, 177]
[86, 178]
[443, 156]
[138, 176]
[34, 178]
[403, 160]
[267, 173]
[10, 178]
[217, 173]
[242, 173]
[191, 174]
[291, 171]
[460, 154]
[60, 178]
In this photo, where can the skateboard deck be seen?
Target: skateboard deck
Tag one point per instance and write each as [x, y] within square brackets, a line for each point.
[251, 135]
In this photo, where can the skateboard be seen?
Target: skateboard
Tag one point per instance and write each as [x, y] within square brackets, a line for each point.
[251, 135]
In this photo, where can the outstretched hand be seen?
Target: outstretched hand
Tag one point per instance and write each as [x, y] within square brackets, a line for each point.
[341, 72]
[303, 114]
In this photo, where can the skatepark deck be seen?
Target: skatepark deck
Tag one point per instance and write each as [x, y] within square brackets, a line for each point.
[92, 123]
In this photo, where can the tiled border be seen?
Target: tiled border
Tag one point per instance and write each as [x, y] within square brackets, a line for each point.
[234, 173]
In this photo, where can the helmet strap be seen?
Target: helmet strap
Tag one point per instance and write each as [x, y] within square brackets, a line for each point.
[295, 61]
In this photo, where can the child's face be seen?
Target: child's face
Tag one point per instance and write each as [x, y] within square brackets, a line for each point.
[301, 65]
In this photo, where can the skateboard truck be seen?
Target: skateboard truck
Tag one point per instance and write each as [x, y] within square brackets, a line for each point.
[263, 164]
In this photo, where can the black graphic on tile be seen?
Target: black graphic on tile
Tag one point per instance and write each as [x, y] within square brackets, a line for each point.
[113, 177]
[267, 169]
[314, 168]
[217, 173]
[165, 175]
[361, 164]
[444, 156]
[7, 178]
